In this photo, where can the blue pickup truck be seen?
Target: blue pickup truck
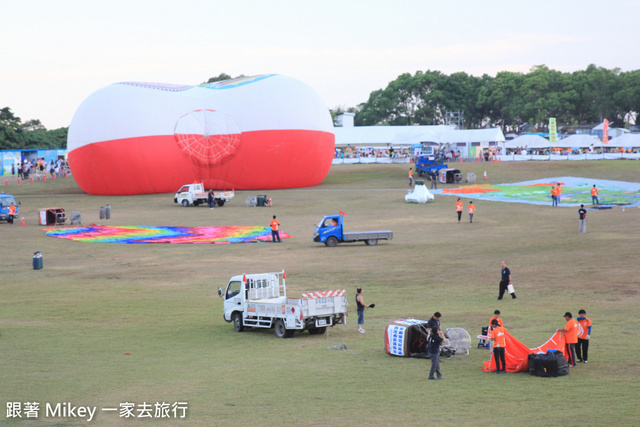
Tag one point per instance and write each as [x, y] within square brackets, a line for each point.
[330, 232]
[427, 165]
[5, 202]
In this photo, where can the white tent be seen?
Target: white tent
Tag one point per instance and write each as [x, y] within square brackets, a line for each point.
[626, 140]
[529, 141]
[472, 135]
[578, 141]
[383, 135]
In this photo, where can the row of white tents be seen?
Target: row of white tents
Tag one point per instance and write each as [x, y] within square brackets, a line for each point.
[574, 141]
[450, 135]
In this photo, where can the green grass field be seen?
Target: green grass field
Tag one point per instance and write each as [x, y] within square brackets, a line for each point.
[66, 329]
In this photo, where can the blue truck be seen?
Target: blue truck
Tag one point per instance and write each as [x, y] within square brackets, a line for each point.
[330, 232]
[5, 202]
[428, 164]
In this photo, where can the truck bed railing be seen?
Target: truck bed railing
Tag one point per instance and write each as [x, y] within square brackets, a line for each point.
[265, 286]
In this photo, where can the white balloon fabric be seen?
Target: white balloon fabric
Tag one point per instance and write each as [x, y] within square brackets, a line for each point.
[420, 194]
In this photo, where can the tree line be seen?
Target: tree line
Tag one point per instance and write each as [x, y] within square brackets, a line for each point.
[508, 100]
[15, 135]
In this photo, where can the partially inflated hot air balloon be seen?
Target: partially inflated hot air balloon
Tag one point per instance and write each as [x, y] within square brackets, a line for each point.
[262, 132]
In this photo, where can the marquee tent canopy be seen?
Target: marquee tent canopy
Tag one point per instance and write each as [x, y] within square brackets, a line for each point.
[453, 136]
[409, 135]
[578, 141]
[529, 141]
[626, 140]
[382, 135]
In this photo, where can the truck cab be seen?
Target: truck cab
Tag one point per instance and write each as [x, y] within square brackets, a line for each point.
[329, 226]
[5, 202]
[330, 231]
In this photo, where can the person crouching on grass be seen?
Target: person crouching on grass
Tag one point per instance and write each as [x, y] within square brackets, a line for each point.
[434, 340]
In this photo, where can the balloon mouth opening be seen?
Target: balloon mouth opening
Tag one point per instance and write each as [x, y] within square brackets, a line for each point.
[208, 137]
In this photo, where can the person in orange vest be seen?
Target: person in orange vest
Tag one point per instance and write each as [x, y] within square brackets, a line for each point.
[496, 316]
[570, 332]
[275, 233]
[459, 206]
[410, 177]
[594, 196]
[498, 336]
[472, 210]
[12, 212]
[584, 334]
[558, 194]
[554, 197]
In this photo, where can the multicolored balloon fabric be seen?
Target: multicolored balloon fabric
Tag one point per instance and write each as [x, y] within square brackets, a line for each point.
[136, 234]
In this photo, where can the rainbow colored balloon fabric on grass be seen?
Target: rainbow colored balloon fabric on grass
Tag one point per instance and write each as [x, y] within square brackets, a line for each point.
[576, 191]
[135, 234]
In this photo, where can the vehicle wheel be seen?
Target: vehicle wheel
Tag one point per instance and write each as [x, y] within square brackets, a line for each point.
[220, 203]
[280, 329]
[313, 331]
[237, 322]
[196, 203]
[318, 331]
[371, 242]
[185, 203]
[289, 333]
[332, 242]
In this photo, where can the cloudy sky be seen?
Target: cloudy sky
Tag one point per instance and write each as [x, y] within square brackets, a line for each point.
[54, 54]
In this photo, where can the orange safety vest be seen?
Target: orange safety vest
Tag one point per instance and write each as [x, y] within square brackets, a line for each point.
[12, 210]
[472, 209]
[594, 191]
[499, 336]
[459, 206]
[274, 225]
[571, 334]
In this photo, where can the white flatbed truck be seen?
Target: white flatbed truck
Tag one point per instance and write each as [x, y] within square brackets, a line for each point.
[260, 301]
[195, 195]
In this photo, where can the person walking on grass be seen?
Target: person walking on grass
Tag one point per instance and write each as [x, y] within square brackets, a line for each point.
[505, 281]
[410, 177]
[472, 210]
[582, 214]
[434, 342]
[459, 206]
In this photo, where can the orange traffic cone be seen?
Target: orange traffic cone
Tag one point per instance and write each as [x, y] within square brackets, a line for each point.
[6, 182]
[485, 175]
[19, 181]
[44, 177]
[31, 179]
[22, 222]
[54, 176]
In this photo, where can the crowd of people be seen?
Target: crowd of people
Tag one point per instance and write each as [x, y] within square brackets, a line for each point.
[355, 152]
[39, 168]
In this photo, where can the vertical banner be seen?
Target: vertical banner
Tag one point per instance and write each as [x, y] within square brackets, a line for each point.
[553, 131]
[605, 131]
